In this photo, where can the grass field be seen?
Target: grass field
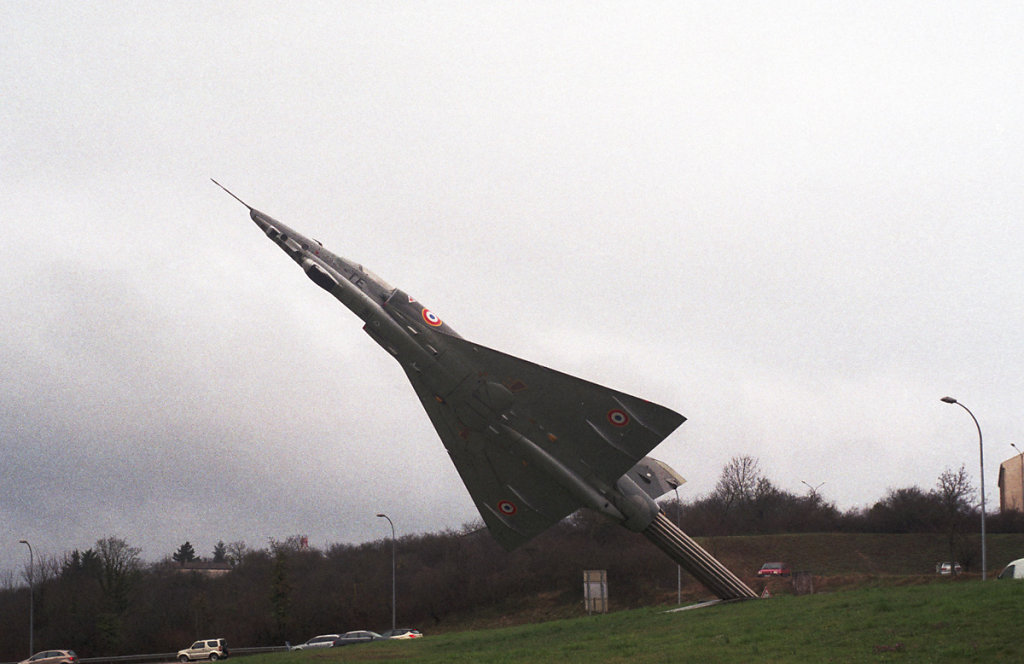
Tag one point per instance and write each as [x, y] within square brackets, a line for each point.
[950, 621]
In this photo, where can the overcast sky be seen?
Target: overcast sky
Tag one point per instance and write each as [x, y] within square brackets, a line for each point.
[798, 224]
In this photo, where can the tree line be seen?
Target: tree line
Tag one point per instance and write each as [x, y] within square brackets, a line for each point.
[107, 601]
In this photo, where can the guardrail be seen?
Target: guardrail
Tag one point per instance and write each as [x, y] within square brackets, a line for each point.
[168, 656]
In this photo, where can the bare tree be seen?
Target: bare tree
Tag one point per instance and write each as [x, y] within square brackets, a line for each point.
[236, 551]
[955, 494]
[46, 569]
[119, 563]
[955, 490]
[739, 479]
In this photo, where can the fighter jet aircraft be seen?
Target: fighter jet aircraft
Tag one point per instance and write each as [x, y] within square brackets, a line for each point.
[531, 444]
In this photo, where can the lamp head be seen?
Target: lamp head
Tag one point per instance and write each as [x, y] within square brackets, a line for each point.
[947, 400]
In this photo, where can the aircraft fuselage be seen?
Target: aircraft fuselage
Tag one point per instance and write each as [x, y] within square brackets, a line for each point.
[531, 444]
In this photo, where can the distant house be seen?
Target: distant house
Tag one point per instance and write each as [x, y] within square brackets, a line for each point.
[204, 567]
[1011, 484]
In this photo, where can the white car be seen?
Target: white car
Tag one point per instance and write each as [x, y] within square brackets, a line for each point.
[53, 657]
[402, 633]
[1015, 570]
[321, 641]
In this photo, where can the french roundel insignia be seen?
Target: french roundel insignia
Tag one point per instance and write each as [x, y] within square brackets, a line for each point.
[618, 418]
[507, 507]
[431, 318]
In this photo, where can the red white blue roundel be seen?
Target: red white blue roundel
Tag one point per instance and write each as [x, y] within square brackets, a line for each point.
[431, 318]
[618, 417]
[506, 507]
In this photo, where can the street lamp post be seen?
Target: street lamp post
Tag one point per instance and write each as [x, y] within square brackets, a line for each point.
[31, 598]
[814, 489]
[981, 460]
[1020, 455]
[385, 516]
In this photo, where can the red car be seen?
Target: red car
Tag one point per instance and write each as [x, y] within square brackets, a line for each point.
[774, 569]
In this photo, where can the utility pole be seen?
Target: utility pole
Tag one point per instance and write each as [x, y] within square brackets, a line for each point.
[385, 516]
[31, 598]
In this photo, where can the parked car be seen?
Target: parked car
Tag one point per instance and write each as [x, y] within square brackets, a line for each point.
[321, 641]
[774, 569]
[358, 636]
[211, 649]
[401, 633]
[52, 657]
[1015, 570]
[948, 568]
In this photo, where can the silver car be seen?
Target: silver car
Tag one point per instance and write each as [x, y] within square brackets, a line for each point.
[321, 641]
[358, 636]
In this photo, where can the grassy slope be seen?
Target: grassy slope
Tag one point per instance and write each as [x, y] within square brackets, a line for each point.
[954, 621]
[881, 602]
[835, 560]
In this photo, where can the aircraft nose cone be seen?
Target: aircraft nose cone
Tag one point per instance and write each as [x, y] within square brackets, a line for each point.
[262, 220]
